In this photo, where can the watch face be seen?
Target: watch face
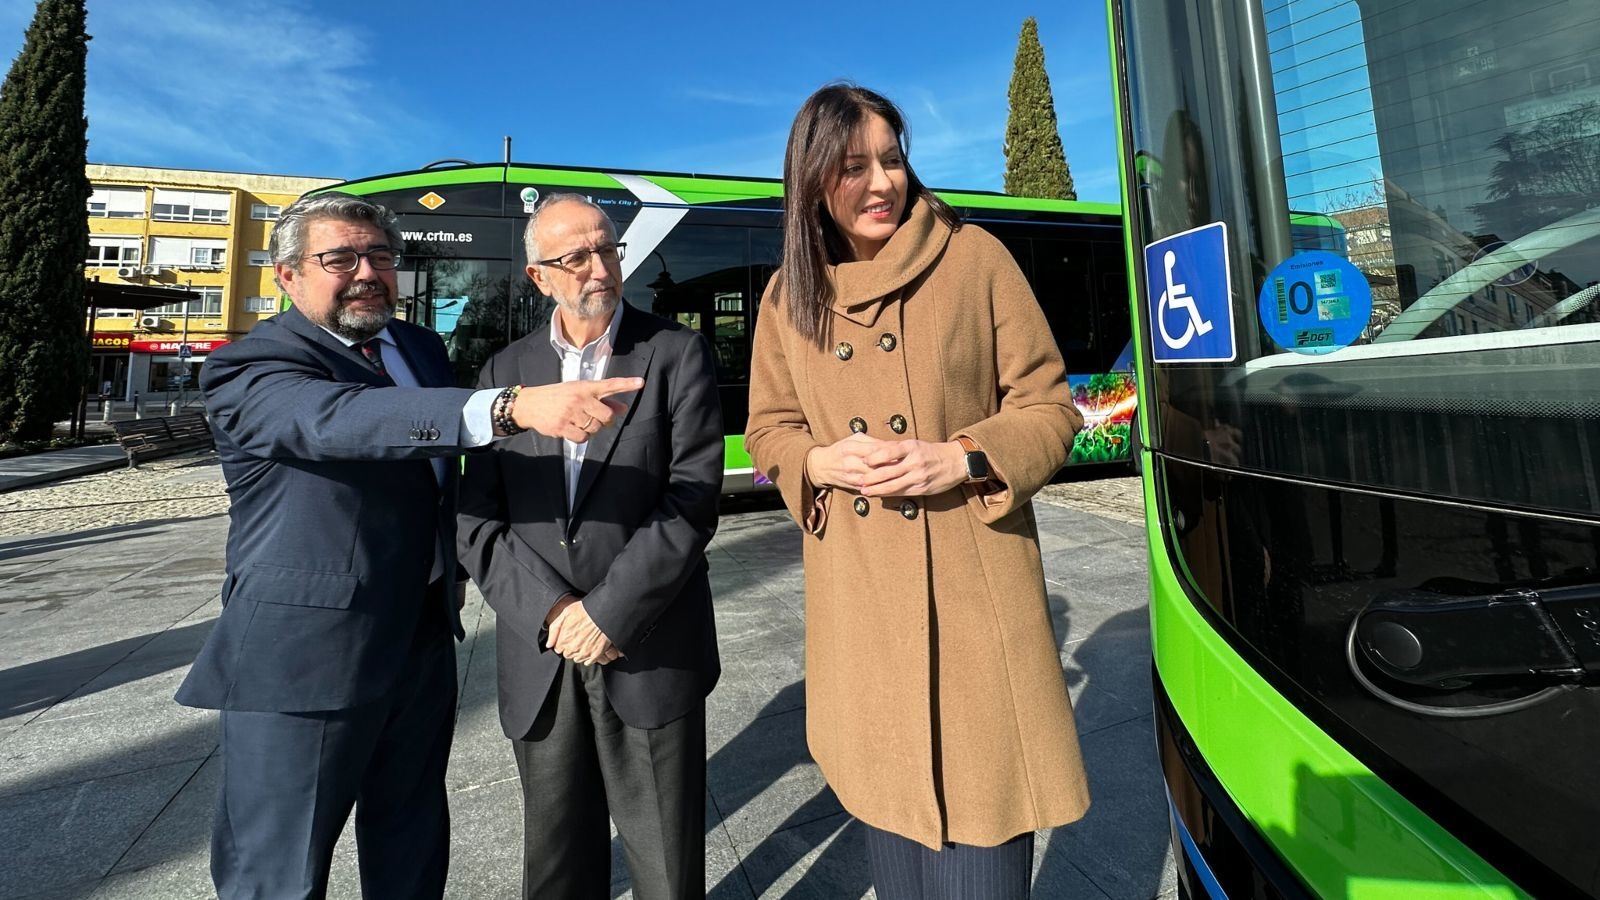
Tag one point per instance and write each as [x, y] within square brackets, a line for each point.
[977, 465]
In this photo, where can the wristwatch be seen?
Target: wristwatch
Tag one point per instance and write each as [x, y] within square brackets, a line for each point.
[977, 461]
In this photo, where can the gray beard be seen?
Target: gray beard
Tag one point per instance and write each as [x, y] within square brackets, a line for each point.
[359, 325]
[590, 306]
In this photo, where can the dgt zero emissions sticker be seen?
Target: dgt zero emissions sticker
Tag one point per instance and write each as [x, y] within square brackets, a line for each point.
[1315, 302]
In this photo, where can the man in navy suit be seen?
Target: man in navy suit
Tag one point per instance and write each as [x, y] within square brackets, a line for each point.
[332, 661]
[593, 558]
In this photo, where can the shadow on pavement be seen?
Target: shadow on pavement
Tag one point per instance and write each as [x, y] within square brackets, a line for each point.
[37, 685]
[1120, 846]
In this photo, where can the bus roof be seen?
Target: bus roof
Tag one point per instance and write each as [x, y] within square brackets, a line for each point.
[691, 189]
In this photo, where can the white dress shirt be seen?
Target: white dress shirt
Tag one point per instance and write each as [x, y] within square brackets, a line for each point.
[587, 363]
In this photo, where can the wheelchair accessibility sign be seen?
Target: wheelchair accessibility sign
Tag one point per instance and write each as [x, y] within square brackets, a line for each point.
[1191, 308]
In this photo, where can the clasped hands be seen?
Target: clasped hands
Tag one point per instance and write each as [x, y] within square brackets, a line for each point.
[879, 468]
[573, 410]
[575, 636]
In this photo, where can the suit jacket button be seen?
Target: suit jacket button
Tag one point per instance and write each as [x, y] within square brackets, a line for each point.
[844, 351]
[416, 435]
[897, 424]
[908, 509]
[887, 342]
[858, 425]
[433, 434]
[862, 506]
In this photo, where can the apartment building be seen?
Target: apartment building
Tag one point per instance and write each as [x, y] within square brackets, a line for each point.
[197, 231]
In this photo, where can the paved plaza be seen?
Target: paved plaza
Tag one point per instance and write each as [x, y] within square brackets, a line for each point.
[108, 586]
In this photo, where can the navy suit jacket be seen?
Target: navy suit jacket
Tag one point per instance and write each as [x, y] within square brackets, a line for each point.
[334, 518]
[634, 542]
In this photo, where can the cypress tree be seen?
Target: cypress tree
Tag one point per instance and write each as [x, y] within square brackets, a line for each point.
[44, 234]
[1036, 165]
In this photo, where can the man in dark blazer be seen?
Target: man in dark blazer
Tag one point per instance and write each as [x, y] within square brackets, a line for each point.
[593, 559]
[332, 661]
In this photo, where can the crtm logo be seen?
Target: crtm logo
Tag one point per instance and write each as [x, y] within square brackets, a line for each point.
[439, 237]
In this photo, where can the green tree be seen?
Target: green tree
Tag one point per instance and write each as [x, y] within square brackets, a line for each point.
[44, 235]
[1036, 166]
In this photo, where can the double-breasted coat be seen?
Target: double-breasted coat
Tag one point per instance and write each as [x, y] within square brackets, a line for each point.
[936, 705]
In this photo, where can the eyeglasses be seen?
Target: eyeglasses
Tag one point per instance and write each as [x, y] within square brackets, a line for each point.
[341, 262]
[578, 259]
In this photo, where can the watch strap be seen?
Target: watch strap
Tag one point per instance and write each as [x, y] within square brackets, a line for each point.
[969, 446]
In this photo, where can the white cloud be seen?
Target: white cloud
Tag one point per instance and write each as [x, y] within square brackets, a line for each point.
[759, 99]
[178, 82]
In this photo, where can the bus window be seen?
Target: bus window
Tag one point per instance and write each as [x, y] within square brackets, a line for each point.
[1064, 283]
[701, 277]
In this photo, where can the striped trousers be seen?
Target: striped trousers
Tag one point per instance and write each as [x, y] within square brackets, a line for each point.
[903, 869]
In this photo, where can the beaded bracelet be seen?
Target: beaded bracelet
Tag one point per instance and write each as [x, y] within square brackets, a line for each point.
[500, 411]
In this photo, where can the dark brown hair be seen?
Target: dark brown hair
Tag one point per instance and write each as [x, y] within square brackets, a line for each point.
[818, 142]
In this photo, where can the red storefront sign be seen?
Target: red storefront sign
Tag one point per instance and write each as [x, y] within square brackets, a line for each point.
[198, 348]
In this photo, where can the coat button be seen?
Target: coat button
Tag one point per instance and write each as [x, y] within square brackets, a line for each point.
[897, 424]
[858, 425]
[908, 509]
[886, 341]
[862, 506]
[844, 351]
[416, 434]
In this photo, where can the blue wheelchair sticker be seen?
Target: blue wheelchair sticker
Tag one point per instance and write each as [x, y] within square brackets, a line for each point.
[1315, 302]
[1187, 286]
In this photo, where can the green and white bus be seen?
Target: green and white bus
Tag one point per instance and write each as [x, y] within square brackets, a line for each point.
[700, 250]
[1372, 477]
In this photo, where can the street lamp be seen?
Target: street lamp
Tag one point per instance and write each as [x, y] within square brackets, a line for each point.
[660, 284]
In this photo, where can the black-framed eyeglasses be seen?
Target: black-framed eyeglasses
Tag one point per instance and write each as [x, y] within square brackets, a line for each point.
[341, 262]
[578, 259]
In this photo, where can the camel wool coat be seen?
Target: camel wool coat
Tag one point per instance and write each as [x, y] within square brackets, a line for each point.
[935, 701]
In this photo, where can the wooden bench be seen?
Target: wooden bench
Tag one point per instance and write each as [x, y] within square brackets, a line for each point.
[144, 439]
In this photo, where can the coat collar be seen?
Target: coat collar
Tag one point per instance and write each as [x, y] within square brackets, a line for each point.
[860, 289]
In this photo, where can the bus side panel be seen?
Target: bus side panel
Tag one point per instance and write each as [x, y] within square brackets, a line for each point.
[1342, 830]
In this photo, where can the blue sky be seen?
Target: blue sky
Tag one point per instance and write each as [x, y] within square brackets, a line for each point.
[346, 90]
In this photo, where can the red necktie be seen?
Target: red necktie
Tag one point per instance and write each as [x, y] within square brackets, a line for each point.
[373, 351]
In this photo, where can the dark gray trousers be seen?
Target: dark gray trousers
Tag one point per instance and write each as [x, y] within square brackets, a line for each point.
[903, 869]
[289, 781]
[581, 768]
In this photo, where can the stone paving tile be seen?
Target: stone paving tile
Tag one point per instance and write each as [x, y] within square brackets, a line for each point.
[764, 779]
[1109, 677]
[754, 619]
[76, 891]
[181, 834]
[66, 751]
[485, 842]
[183, 879]
[821, 859]
[1121, 845]
[756, 683]
[79, 830]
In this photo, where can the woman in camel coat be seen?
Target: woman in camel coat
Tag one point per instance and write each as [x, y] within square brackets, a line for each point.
[908, 400]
